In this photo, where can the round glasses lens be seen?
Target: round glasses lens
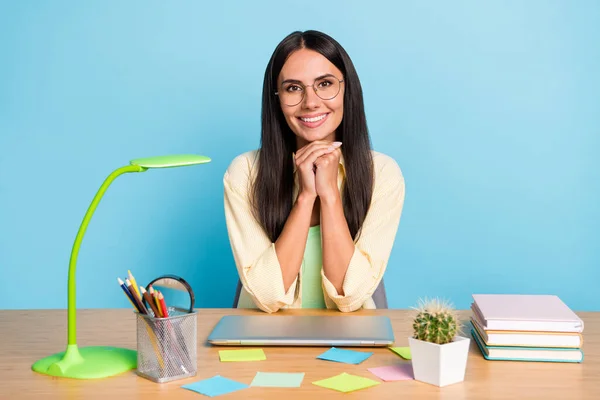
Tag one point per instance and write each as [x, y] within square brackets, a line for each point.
[291, 93]
[327, 88]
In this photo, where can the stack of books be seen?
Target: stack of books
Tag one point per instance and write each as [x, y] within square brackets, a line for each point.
[526, 328]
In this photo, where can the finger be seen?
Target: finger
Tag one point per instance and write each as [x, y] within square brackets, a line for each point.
[333, 156]
[314, 153]
[317, 143]
[311, 145]
[325, 160]
[302, 150]
[337, 153]
[313, 157]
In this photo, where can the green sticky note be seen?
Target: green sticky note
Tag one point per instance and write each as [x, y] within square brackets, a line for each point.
[346, 383]
[242, 355]
[277, 379]
[403, 352]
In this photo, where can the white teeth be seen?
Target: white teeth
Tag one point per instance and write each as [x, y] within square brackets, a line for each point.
[315, 119]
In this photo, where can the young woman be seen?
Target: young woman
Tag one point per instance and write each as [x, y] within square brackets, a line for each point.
[312, 215]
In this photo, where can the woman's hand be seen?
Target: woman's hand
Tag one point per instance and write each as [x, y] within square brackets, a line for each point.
[326, 176]
[306, 159]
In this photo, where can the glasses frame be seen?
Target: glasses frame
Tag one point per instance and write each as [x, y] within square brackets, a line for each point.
[314, 88]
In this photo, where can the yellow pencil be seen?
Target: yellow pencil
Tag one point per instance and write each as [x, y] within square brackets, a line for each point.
[134, 284]
[154, 296]
[157, 301]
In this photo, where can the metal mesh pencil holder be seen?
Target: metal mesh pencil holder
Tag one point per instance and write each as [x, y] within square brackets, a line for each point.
[166, 347]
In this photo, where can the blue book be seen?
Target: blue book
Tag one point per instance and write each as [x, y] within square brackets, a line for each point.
[543, 354]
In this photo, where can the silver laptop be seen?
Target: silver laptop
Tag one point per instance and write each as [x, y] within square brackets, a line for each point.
[302, 330]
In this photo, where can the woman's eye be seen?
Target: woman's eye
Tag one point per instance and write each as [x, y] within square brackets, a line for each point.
[293, 88]
[324, 84]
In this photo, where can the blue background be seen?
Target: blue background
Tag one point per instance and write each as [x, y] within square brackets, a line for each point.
[491, 110]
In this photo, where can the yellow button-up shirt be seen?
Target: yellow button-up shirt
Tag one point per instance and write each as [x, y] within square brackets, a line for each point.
[256, 260]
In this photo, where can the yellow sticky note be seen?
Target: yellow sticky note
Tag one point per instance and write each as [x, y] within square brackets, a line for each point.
[242, 355]
[346, 383]
[403, 352]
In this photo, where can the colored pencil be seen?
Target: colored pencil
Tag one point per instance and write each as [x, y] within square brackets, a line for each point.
[156, 301]
[163, 305]
[138, 301]
[126, 291]
[150, 302]
[134, 283]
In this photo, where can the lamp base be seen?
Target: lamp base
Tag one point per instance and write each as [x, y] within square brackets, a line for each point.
[92, 362]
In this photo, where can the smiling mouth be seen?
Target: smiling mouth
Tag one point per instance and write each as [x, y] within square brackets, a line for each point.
[313, 119]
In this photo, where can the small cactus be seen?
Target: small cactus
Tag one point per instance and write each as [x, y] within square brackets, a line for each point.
[436, 322]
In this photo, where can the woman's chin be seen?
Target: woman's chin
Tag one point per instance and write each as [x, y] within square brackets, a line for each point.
[314, 136]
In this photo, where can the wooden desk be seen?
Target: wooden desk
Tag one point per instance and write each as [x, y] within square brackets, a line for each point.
[26, 336]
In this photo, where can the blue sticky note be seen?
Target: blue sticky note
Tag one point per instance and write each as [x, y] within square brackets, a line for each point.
[345, 356]
[215, 386]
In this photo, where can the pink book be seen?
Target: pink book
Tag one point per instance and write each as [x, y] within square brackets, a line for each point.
[525, 312]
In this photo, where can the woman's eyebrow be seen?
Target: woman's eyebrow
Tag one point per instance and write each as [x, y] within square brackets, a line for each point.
[297, 81]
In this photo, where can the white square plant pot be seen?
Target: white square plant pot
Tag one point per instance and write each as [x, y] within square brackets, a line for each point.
[439, 364]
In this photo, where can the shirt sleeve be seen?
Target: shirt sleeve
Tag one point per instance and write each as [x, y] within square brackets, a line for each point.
[254, 254]
[373, 247]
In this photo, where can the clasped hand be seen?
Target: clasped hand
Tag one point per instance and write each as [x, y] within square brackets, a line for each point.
[317, 163]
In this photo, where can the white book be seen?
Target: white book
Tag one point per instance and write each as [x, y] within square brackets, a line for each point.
[522, 312]
[527, 353]
[527, 338]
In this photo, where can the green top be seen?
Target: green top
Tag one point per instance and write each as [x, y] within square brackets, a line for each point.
[312, 289]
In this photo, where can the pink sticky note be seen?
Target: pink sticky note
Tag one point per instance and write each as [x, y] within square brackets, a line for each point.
[398, 372]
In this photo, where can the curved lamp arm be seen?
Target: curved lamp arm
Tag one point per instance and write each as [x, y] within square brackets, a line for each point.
[72, 311]
[94, 362]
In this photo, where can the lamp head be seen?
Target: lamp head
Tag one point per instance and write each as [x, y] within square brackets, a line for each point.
[175, 160]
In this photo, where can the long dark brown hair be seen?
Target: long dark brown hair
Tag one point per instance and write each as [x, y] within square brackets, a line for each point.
[273, 187]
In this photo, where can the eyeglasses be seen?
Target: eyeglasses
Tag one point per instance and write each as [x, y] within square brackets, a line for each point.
[292, 92]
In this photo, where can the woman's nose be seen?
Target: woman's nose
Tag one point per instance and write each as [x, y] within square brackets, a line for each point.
[311, 100]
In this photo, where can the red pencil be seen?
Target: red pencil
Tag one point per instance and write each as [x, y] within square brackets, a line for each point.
[163, 305]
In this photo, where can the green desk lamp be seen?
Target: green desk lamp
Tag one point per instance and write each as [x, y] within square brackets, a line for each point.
[100, 361]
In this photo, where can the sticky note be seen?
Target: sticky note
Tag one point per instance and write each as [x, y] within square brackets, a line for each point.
[346, 383]
[277, 379]
[390, 373]
[242, 355]
[403, 352]
[215, 386]
[345, 356]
